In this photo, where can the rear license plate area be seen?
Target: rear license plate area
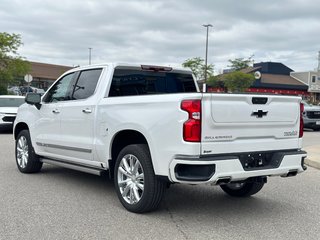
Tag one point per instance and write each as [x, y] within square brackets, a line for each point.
[263, 160]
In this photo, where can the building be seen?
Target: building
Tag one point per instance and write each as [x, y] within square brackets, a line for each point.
[312, 79]
[45, 74]
[273, 77]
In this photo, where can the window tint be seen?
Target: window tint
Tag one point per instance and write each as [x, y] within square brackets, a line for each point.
[128, 82]
[11, 102]
[86, 84]
[61, 90]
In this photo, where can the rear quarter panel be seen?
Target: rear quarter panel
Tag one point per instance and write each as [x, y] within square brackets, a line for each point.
[158, 117]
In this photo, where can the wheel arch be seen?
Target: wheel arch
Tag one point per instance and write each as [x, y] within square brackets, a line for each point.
[122, 139]
[19, 127]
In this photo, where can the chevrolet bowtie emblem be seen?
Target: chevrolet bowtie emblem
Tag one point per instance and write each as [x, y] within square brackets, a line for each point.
[259, 113]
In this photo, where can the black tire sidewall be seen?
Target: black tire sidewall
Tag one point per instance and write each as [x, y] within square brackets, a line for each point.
[141, 152]
[248, 189]
[33, 164]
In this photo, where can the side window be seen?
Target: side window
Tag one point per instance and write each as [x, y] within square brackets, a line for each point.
[61, 90]
[86, 84]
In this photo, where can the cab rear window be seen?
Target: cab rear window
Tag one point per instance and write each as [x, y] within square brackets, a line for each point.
[128, 82]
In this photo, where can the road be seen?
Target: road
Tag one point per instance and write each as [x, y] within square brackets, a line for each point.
[311, 138]
[64, 204]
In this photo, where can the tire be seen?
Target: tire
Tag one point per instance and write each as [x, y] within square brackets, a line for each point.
[316, 129]
[137, 187]
[26, 159]
[245, 189]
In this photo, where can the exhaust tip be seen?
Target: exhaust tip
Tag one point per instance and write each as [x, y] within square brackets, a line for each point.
[223, 180]
[291, 173]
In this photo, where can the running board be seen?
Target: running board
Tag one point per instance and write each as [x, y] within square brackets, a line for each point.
[73, 166]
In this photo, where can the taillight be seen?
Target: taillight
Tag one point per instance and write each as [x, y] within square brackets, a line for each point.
[192, 127]
[301, 120]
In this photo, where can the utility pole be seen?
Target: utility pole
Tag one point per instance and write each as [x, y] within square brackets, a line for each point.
[90, 55]
[318, 62]
[206, 59]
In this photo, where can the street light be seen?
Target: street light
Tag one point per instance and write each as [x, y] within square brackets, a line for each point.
[206, 60]
[90, 55]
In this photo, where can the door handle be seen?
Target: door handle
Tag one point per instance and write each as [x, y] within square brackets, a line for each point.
[87, 110]
[56, 111]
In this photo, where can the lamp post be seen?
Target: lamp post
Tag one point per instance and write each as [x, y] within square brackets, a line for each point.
[206, 60]
[90, 55]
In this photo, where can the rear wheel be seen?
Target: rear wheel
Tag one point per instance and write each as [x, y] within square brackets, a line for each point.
[137, 187]
[245, 189]
[26, 159]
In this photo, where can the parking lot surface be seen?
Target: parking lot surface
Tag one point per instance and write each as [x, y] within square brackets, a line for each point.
[58, 203]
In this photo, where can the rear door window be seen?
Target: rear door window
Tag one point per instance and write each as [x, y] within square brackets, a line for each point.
[86, 84]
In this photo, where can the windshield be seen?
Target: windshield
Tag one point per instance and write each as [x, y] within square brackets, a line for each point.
[11, 102]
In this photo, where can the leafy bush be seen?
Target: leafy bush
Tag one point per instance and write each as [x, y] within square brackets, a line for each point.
[238, 81]
[3, 90]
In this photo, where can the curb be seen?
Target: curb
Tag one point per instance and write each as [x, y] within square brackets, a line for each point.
[312, 163]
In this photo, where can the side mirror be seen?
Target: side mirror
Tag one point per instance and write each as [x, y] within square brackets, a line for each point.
[34, 99]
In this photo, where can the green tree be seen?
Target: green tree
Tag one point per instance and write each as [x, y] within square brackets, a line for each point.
[12, 64]
[215, 82]
[238, 81]
[198, 67]
[241, 63]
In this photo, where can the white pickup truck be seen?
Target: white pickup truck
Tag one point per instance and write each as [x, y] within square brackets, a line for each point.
[149, 126]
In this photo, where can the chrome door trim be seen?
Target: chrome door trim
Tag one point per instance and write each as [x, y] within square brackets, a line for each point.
[85, 150]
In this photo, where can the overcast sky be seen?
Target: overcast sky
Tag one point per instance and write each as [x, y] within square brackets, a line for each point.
[165, 32]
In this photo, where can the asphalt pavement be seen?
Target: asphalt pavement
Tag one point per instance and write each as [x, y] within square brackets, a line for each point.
[59, 203]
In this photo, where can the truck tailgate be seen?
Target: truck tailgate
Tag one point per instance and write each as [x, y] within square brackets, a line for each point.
[234, 123]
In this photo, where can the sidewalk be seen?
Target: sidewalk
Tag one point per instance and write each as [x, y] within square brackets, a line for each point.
[313, 156]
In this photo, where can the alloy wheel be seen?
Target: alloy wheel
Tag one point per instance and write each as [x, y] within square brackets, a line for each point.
[22, 152]
[131, 179]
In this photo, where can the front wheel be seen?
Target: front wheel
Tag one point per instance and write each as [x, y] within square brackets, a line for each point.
[26, 159]
[245, 189]
[137, 187]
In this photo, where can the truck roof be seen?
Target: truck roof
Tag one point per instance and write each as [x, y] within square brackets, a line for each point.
[119, 64]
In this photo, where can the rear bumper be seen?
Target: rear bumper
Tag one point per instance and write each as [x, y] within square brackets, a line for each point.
[311, 123]
[197, 170]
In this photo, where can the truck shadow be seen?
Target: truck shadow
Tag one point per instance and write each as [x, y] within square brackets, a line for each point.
[191, 201]
[6, 130]
[211, 201]
[70, 177]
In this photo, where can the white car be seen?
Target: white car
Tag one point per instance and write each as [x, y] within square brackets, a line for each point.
[38, 90]
[8, 108]
[15, 90]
